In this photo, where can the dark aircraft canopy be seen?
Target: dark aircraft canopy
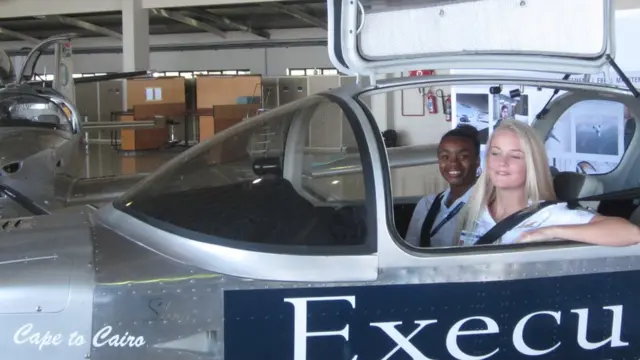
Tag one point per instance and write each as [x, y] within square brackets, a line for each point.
[250, 183]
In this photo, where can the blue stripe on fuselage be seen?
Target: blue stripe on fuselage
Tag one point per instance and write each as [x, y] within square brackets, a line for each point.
[260, 324]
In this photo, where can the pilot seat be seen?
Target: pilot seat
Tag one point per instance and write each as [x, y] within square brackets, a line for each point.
[572, 185]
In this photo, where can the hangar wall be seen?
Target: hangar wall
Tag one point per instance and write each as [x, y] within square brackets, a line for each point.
[266, 61]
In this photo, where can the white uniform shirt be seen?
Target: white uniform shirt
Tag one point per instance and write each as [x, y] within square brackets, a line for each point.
[557, 214]
[444, 236]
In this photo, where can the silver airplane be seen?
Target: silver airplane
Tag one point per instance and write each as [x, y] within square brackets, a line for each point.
[41, 138]
[280, 237]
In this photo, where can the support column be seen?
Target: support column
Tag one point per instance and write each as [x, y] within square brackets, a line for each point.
[135, 36]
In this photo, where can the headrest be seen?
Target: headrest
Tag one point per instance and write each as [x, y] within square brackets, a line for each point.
[571, 185]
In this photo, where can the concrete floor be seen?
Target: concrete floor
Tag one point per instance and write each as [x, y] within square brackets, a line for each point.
[104, 160]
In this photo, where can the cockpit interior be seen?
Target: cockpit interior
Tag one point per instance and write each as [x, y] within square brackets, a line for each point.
[275, 181]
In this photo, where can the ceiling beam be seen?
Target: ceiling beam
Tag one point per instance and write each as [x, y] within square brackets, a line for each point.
[19, 35]
[189, 21]
[82, 25]
[297, 14]
[212, 16]
[253, 44]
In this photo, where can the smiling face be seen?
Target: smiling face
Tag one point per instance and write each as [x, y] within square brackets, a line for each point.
[506, 164]
[458, 161]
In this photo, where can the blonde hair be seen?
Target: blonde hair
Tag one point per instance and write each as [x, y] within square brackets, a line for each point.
[538, 183]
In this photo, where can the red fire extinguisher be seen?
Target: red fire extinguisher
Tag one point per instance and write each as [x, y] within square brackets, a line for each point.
[447, 108]
[432, 106]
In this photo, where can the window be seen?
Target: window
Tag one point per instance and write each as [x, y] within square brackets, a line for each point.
[192, 74]
[296, 72]
[50, 77]
[247, 187]
[590, 137]
[312, 71]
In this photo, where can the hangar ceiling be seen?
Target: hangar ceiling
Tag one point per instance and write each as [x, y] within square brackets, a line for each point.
[255, 18]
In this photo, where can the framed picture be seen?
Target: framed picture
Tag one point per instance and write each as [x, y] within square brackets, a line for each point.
[470, 108]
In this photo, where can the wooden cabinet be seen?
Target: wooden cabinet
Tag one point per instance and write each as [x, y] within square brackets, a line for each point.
[223, 101]
[149, 98]
[223, 117]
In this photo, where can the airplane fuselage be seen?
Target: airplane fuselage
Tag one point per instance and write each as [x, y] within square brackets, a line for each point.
[81, 290]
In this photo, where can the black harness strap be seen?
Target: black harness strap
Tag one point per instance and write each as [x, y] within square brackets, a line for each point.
[513, 220]
[425, 232]
[510, 222]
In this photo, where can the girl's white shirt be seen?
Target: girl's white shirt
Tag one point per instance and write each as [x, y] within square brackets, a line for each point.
[557, 214]
[446, 235]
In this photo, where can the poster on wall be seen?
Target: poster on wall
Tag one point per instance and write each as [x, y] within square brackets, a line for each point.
[471, 109]
[596, 135]
[559, 140]
[506, 107]
[589, 137]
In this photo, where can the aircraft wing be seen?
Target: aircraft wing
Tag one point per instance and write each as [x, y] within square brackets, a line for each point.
[97, 190]
[345, 163]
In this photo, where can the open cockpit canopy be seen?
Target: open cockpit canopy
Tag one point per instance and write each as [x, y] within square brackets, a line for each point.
[370, 37]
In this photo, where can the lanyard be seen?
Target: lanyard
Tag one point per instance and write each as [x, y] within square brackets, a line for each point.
[449, 216]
